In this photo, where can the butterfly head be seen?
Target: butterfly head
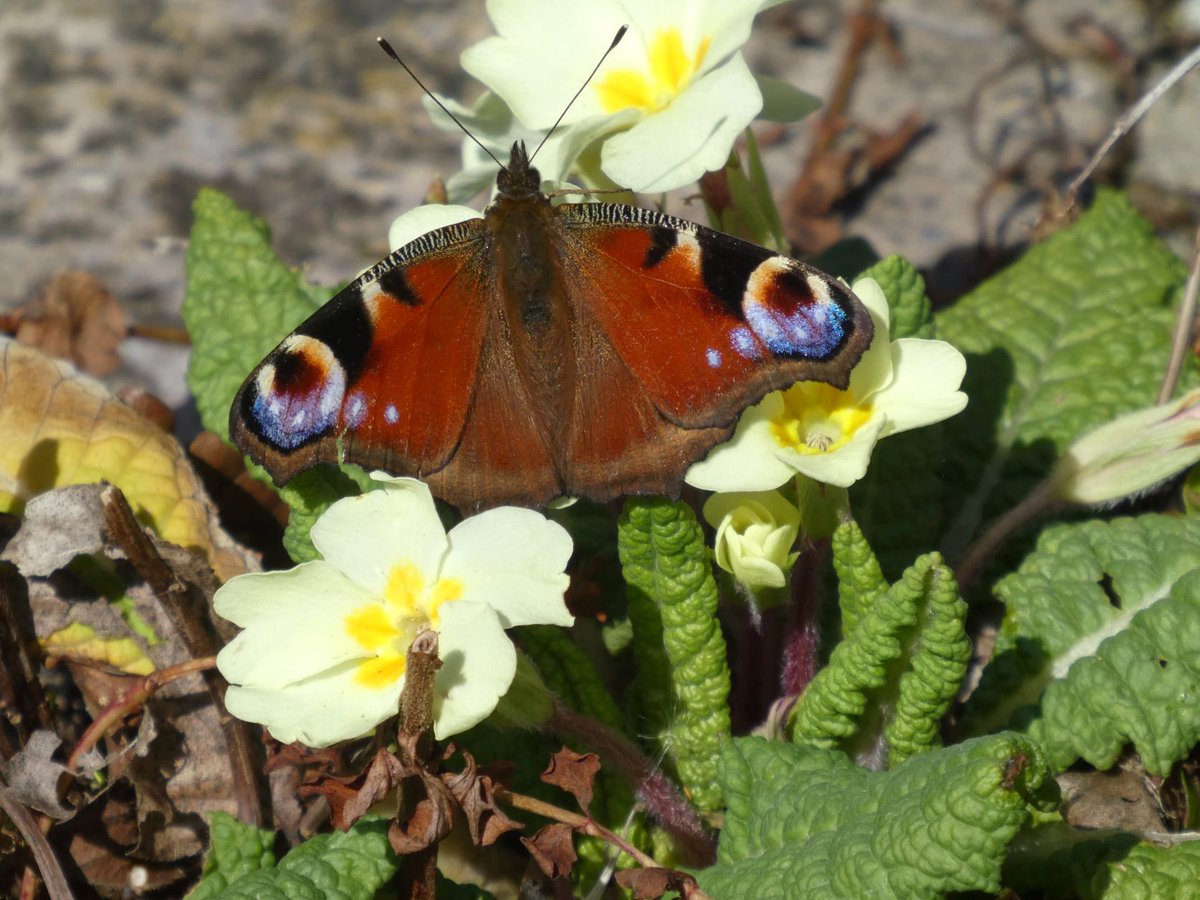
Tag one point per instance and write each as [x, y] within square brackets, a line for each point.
[518, 178]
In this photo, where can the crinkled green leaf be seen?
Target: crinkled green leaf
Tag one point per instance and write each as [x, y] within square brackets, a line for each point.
[234, 851]
[1100, 645]
[1075, 333]
[339, 866]
[898, 503]
[1056, 860]
[673, 607]
[805, 822]
[909, 308]
[241, 301]
[860, 580]
[900, 664]
[312, 492]
[1164, 873]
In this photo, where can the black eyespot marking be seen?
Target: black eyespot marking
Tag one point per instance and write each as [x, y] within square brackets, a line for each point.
[727, 274]
[662, 242]
[345, 328]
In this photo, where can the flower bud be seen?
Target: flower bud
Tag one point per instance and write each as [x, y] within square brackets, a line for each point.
[1130, 454]
[755, 534]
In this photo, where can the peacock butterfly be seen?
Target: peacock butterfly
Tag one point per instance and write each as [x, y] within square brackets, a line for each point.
[587, 349]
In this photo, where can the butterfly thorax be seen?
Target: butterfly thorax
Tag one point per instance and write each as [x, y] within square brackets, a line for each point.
[536, 317]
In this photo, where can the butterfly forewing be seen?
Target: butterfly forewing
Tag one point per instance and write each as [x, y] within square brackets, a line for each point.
[387, 367]
[706, 322]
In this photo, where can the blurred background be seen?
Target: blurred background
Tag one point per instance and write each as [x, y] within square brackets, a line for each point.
[948, 124]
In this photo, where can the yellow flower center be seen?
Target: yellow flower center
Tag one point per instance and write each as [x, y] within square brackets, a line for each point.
[671, 69]
[386, 629]
[818, 418]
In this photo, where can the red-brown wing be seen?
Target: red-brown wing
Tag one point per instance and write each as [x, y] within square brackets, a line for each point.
[386, 368]
[707, 324]
[617, 442]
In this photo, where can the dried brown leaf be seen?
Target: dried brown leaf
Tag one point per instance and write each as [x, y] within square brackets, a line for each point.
[430, 815]
[350, 798]
[553, 848]
[63, 428]
[181, 766]
[475, 790]
[76, 319]
[32, 776]
[649, 883]
[575, 773]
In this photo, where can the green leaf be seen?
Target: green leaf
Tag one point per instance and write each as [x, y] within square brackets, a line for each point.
[350, 865]
[909, 308]
[860, 580]
[1100, 644]
[902, 660]
[241, 301]
[682, 668]
[1056, 860]
[312, 492]
[234, 851]
[1075, 333]
[804, 822]
[906, 472]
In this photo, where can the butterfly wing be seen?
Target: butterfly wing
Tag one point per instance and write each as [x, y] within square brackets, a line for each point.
[709, 323]
[686, 327]
[387, 372]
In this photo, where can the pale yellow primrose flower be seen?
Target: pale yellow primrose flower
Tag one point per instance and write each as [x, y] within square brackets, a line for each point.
[754, 536]
[1131, 454]
[827, 434]
[672, 97]
[323, 653]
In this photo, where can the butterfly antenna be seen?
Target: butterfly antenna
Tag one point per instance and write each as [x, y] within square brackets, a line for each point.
[387, 48]
[611, 47]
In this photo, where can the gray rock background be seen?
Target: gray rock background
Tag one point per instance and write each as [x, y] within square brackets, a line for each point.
[113, 113]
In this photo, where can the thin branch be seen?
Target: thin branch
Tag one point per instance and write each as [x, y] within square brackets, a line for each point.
[1039, 501]
[1127, 121]
[131, 701]
[48, 867]
[1184, 325]
[581, 823]
[188, 609]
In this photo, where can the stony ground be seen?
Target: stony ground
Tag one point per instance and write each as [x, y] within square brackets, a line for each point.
[113, 114]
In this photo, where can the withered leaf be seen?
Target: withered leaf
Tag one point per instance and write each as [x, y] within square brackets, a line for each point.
[63, 428]
[350, 798]
[475, 790]
[430, 814]
[575, 773]
[32, 776]
[181, 765]
[553, 849]
[649, 883]
[75, 318]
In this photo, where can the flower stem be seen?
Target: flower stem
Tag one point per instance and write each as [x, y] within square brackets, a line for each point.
[1040, 500]
[658, 793]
